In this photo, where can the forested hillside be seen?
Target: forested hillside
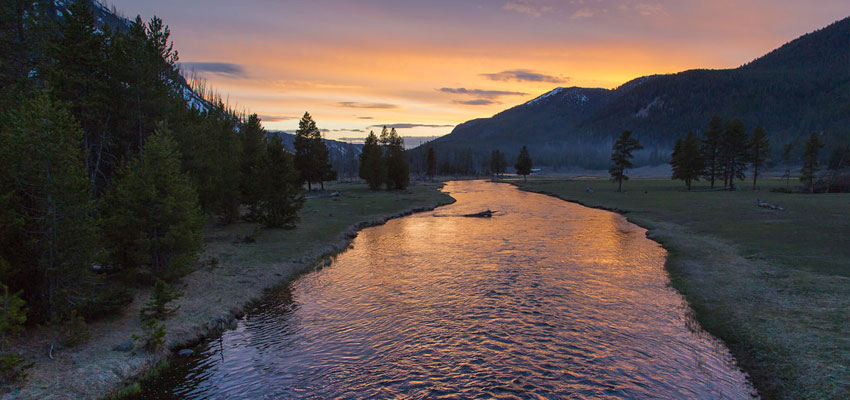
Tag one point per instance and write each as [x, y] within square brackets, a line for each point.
[802, 87]
[111, 166]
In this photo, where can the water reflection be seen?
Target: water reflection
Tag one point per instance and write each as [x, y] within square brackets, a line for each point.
[545, 299]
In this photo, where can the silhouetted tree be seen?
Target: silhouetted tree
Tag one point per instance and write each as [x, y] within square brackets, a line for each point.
[283, 195]
[733, 151]
[253, 162]
[523, 163]
[395, 159]
[498, 163]
[710, 149]
[786, 159]
[810, 161]
[687, 162]
[759, 150]
[620, 157]
[305, 151]
[372, 168]
[431, 163]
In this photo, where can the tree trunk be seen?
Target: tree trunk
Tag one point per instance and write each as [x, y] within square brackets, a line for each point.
[620, 184]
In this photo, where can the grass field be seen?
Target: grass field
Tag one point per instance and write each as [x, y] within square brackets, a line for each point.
[774, 285]
[215, 291]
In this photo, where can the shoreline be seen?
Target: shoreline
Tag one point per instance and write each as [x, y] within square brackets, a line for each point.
[95, 370]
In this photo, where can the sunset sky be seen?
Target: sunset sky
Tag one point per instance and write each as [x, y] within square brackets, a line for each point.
[426, 66]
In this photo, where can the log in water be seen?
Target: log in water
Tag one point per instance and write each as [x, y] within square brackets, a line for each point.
[545, 299]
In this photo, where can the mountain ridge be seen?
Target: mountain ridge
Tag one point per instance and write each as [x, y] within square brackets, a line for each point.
[800, 87]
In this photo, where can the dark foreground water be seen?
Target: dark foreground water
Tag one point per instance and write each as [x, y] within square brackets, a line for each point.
[547, 299]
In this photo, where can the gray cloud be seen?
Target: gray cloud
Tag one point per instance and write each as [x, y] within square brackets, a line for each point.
[524, 75]
[354, 104]
[227, 69]
[477, 102]
[275, 118]
[485, 94]
[405, 125]
[365, 118]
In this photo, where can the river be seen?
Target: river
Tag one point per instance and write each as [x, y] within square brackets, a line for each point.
[546, 299]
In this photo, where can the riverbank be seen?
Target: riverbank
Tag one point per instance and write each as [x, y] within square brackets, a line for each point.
[773, 285]
[217, 292]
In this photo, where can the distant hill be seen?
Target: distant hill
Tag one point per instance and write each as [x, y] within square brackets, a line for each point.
[801, 87]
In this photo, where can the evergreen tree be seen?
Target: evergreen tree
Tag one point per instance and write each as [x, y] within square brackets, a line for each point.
[305, 148]
[152, 215]
[733, 151]
[498, 163]
[372, 168]
[810, 161]
[523, 163]
[620, 157]
[395, 159]
[253, 161]
[710, 149]
[283, 195]
[786, 159]
[431, 163]
[759, 150]
[47, 228]
[321, 168]
[78, 76]
[687, 161]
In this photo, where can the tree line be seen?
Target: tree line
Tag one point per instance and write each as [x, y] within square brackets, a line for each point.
[383, 161]
[108, 173]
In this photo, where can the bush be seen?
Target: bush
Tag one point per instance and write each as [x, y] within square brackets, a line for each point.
[154, 335]
[106, 302]
[158, 307]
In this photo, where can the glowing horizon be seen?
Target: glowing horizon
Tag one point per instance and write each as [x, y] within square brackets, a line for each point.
[432, 65]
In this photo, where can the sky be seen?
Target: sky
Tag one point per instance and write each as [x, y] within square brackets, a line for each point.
[426, 66]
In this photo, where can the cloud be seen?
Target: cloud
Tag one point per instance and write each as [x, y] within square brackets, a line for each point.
[524, 75]
[484, 94]
[365, 118]
[275, 118]
[582, 13]
[526, 7]
[219, 68]
[477, 102]
[354, 104]
[405, 125]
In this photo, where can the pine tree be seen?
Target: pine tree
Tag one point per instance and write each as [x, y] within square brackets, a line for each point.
[305, 150]
[49, 233]
[321, 168]
[395, 159]
[253, 161]
[786, 159]
[622, 152]
[372, 168]
[431, 163]
[159, 306]
[810, 161]
[152, 214]
[498, 163]
[283, 195]
[78, 76]
[710, 149]
[523, 163]
[733, 151]
[759, 150]
[687, 162]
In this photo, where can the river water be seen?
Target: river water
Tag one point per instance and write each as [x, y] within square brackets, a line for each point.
[547, 299]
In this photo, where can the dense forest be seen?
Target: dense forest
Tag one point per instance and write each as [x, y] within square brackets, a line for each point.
[111, 164]
[799, 88]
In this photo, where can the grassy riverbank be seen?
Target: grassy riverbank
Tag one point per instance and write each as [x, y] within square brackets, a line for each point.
[774, 285]
[216, 292]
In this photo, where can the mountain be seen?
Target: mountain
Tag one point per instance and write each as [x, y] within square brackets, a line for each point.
[801, 87]
[345, 157]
